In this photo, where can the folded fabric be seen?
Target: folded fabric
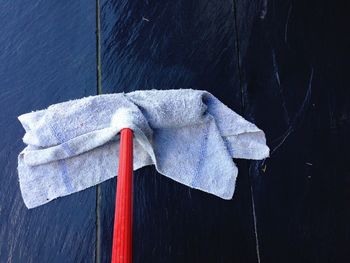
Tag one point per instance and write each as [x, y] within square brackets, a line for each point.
[189, 135]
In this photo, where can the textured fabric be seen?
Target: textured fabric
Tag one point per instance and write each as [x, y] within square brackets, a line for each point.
[189, 135]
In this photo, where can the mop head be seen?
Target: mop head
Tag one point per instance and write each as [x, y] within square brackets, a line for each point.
[189, 135]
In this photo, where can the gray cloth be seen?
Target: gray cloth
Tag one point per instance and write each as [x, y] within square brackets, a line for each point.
[189, 135]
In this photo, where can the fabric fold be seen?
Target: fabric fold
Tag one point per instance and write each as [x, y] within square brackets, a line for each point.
[189, 135]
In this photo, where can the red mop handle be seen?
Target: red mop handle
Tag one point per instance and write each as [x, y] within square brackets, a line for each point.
[122, 233]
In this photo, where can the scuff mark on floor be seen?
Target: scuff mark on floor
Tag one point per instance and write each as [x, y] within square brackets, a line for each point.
[281, 91]
[287, 23]
[263, 10]
[298, 116]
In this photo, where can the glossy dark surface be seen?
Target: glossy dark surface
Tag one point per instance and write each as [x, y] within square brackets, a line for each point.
[295, 81]
[47, 55]
[281, 64]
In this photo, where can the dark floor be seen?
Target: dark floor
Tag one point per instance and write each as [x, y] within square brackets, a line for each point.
[281, 64]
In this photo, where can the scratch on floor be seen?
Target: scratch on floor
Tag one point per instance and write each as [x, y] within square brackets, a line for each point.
[255, 225]
[255, 169]
[287, 23]
[298, 115]
[263, 10]
[243, 93]
[281, 91]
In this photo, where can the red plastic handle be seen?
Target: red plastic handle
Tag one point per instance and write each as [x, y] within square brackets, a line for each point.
[122, 232]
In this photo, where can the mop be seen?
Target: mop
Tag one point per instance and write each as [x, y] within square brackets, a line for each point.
[188, 135]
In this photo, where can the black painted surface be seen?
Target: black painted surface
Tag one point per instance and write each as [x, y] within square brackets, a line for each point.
[294, 79]
[47, 55]
[172, 45]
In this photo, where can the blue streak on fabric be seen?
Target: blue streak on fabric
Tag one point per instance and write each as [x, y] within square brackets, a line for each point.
[62, 163]
[66, 179]
[203, 150]
[68, 149]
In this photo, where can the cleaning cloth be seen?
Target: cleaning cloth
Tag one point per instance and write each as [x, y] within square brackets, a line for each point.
[189, 135]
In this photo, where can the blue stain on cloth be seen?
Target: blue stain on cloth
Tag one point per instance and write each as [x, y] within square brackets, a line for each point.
[189, 135]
